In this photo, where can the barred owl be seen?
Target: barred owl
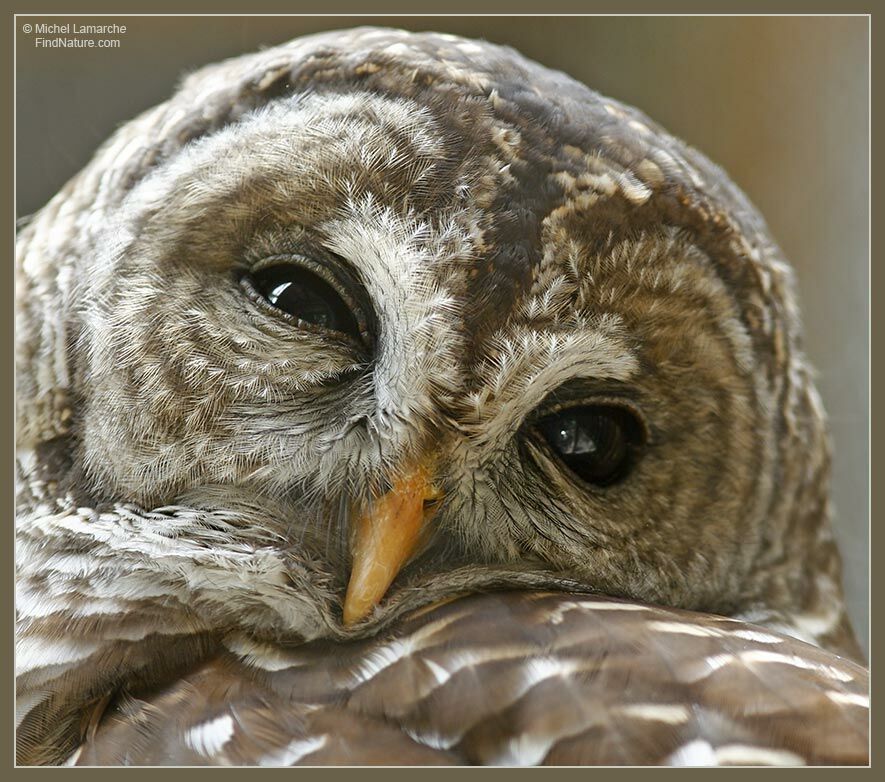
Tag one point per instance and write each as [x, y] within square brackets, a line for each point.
[387, 397]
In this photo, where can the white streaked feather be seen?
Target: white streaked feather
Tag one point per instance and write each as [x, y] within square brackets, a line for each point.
[672, 713]
[293, 751]
[849, 698]
[34, 652]
[208, 738]
[75, 756]
[265, 656]
[745, 754]
[685, 628]
[757, 656]
[755, 635]
[695, 753]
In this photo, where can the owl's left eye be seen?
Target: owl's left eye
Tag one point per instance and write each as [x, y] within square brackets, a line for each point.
[598, 443]
[304, 296]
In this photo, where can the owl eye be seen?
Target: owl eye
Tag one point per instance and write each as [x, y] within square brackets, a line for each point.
[305, 296]
[599, 444]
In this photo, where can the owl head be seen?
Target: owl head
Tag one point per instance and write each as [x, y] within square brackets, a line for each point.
[411, 315]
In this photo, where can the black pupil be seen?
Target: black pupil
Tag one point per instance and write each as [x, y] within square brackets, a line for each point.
[596, 443]
[306, 296]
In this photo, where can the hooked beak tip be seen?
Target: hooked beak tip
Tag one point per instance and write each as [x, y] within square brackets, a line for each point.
[384, 538]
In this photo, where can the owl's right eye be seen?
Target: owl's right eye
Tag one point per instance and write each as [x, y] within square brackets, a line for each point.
[304, 296]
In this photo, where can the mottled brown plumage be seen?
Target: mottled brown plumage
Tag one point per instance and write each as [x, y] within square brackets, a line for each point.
[510, 245]
[562, 680]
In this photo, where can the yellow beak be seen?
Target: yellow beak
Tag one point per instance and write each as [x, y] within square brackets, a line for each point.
[384, 538]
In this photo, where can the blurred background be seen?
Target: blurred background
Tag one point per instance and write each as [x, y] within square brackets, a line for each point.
[781, 103]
